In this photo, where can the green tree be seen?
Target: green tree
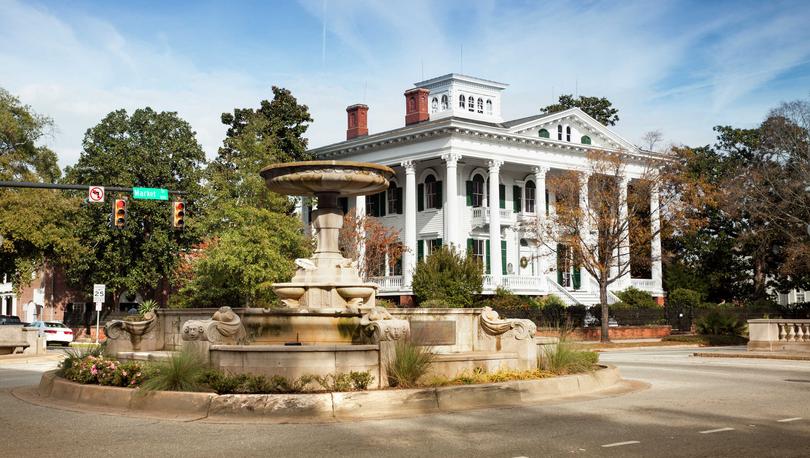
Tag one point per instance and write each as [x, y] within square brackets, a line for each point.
[598, 108]
[35, 225]
[446, 275]
[146, 149]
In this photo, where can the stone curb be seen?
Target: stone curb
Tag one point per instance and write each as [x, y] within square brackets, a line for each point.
[320, 407]
[788, 357]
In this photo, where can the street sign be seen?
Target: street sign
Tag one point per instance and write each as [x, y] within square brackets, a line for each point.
[150, 193]
[98, 293]
[98, 306]
[95, 194]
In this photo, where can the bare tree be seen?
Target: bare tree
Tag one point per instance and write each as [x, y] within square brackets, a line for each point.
[597, 217]
[651, 138]
[381, 244]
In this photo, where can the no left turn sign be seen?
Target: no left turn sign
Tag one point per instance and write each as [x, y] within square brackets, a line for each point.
[95, 194]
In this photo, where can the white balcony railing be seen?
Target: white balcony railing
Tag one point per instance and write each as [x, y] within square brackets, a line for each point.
[488, 282]
[644, 284]
[480, 215]
[389, 283]
[522, 283]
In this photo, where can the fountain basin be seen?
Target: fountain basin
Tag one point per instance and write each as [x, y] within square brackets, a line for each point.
[343, 178]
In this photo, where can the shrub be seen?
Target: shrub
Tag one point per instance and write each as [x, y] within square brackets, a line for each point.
[128, 374]
[146, 307]
[563, 359]
[385, 303]
[435, 304]
[183, 371]
[684, 299]
[448, 275]
[410, 362]
[335, 382]
[78, 353]
[361, 380]
[553, 301]
[720, 322]
[224, 383]
[635, 298]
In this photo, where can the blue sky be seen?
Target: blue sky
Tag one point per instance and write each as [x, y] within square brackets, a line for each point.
[677, 66]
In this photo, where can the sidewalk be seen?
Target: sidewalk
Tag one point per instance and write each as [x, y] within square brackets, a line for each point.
[742, 353]
[24, 359]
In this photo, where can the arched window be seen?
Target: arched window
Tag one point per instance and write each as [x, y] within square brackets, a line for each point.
[434, 105]
[530, 196]
[481, 105]
[411, 103]
[461, 101]
[478, 191]
[431, 192]
[524, 242]
[568, 133]
[543, 133]
[586, 140]
[471, 103]
[445, 102]
[559, 131]
[489, 107]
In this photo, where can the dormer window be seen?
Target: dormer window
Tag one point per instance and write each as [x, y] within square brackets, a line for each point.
[461, 101]
[559, 132]
[445, 102]
[543, 133]
[471, 103]
[568, 133]
[481, 105]
[586, 140]
[489, 107]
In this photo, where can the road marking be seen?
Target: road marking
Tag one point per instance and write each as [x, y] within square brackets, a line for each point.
[718, 430]
[619, 444]
[785, 420]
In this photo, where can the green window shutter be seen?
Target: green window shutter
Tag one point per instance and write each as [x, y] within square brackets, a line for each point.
[559, 276]
[399, 201]
[381, 202]
[546, 202]
[469, 184]
[502, 196]
[420, 197]
[503, 257]
[470, 248]
[577, 278]
[488, 256]
[420, 250]
[439, 194]
[516, 199]
[438, 243]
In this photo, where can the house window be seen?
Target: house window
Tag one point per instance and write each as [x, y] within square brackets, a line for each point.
[394, 199]
[481, 105]
[478, 191]
[489, 107]
[586, 140]
[431, 194]
[543, 133]
[800, 296]
[559, 131]
[568, 133]
[375, 204]
[461, 101]
[530, 196]
[445, 102]
[434, 105]
[478, 250]
[470, 103]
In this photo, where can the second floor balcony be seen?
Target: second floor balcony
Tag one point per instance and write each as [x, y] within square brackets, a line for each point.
[480, 216]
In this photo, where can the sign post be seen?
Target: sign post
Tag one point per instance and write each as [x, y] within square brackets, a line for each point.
[99, 292]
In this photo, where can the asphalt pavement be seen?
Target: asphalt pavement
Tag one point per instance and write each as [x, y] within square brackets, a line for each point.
[683, 406]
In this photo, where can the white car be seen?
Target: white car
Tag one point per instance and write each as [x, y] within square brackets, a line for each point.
[54, 331]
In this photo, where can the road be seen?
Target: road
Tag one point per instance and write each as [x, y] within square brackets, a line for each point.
[691, 407]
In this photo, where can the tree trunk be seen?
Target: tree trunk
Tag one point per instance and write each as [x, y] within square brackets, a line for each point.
[605, 315]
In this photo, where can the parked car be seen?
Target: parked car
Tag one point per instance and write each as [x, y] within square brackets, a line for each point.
[54, 331]
[10, 319]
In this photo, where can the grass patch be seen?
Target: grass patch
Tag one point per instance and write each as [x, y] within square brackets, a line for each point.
[478, 376]
[409, 364]
[708, 340]
[183, 371]
[565, 359]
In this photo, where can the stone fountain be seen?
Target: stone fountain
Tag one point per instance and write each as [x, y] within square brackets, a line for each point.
[327, 281]
[330, 322]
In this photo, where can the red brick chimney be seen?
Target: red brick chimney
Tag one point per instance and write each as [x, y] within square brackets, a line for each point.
[416, 105]
[358, 121]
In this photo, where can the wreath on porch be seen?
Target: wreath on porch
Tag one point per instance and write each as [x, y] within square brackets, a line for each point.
[524, 261]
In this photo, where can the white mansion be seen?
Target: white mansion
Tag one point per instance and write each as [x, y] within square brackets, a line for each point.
[454, 152]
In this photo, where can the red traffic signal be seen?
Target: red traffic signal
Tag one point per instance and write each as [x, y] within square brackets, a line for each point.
[178, 214]
[119, 213]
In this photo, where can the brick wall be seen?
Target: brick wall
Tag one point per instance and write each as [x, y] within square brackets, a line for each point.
[615, 333]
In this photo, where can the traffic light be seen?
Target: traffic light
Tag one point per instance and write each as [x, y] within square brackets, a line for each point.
[178, 214]
[119, 213]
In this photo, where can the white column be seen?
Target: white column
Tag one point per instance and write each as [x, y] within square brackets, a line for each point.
[408, 257]
[540, 211]
[359, 214]
[655, 223]
[494, 222]
[624, 244]
[584, 178]
[451, 214]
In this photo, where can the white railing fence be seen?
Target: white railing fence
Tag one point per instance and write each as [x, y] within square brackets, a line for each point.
[779, 335]
[389, 283]
[557, 289]
[522, 283]
[645, 284]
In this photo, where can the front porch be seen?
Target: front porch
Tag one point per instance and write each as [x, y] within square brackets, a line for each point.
[586, 294]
